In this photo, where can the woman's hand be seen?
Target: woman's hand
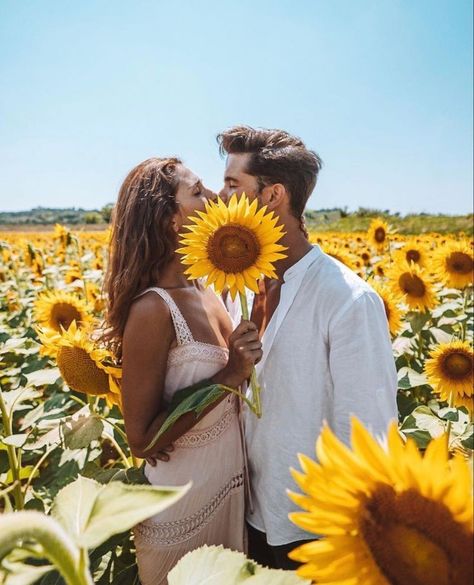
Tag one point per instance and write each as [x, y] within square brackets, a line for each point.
[245, 350]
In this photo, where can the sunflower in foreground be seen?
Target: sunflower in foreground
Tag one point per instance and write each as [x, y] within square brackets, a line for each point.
[413, 286]
[390, 303]
[58, 309]
[232, 245]
[450, 370]
[378, 233]
[454, 264]
[84, 367]
[388, 517]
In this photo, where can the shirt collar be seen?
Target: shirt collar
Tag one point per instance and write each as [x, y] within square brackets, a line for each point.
[303, 263]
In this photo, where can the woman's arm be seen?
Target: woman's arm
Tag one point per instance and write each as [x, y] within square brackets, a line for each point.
[146, 342]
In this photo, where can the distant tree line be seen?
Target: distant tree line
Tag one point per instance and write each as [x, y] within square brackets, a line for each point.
[314, 218]
[48, 216]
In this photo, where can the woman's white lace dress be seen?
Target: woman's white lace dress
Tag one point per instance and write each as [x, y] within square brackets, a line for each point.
[210, 454]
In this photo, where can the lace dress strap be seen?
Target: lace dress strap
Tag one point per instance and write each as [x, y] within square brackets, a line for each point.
[183, 333]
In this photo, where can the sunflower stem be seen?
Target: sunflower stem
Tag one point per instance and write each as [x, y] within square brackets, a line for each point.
[450, 422]
[12, 455]
[91, 402]
[81, 267]
[256, 405]
[117, 447]
[36, 467]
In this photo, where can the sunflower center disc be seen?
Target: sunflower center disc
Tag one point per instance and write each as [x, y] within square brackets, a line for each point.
[63, 314]
[415, 540]
[457, 365]
[412, 285]
[413, 256]
[233, 248]
[379, 235]
[80, 372]
[460, 262]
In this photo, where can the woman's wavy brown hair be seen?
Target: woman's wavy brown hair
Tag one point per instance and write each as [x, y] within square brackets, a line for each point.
[142, 240]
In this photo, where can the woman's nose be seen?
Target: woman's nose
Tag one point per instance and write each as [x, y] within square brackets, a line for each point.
[211, 196]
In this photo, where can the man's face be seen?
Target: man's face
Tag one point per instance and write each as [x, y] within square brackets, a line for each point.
[237, 180]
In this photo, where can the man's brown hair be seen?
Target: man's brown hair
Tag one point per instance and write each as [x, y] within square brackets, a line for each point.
[275, 157]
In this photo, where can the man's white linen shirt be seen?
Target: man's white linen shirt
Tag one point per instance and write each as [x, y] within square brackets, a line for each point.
[327, 356]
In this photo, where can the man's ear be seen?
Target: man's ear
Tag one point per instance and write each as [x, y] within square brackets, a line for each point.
[274, 196]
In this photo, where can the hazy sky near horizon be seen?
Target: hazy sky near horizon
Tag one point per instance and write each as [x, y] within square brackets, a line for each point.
[381, 89]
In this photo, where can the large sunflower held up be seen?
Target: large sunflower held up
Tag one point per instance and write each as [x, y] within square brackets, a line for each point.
[58, 309]
[387, 517]
[450, 370]
[232, 245]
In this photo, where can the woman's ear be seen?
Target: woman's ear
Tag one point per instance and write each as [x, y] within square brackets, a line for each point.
[175, 223]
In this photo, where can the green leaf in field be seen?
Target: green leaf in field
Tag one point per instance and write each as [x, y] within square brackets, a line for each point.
[92, 512]
[451, 414]
[43, 377]
[421, 438]
[418, 320]
[406, 404]
[467, 438]
[25, 473]
[216, 565]
[423, 419]
[410, 378]
[188, 400]
[14, 399]
[80, 433]
[404, 382]
[21, 574]
[15, 440]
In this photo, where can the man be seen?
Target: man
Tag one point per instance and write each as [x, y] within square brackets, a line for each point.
[326, 347]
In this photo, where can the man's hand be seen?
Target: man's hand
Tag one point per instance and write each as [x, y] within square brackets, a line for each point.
[161, 455]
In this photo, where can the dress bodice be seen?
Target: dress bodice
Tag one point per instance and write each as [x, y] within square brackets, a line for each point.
[190, 361]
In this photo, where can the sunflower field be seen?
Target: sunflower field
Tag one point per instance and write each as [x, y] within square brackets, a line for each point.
[64, 457]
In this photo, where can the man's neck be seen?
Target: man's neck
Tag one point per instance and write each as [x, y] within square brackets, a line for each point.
[298, 246]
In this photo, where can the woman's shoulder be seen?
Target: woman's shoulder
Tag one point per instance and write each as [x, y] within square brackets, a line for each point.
[148, 309]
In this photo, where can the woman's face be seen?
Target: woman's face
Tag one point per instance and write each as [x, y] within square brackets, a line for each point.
[191, 196]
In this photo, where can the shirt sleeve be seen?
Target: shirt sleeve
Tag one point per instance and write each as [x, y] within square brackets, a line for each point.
[362, 367]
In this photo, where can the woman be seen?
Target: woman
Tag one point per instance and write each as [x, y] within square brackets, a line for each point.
[170, 333]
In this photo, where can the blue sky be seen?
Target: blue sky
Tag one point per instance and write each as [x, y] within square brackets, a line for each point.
[381, 89]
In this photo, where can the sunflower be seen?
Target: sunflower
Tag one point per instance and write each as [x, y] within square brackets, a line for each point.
[454, 264]
[365, 256]
[413, 286]
[339, 254]
[449, 370]
[84, 367]
[387, 517]
[413, 251]
[378, 233]
[390, 303]
[58, 309]
[233, 246]
[72, 275]
[63, 235]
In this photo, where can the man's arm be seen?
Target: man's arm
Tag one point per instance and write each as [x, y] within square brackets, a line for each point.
[362, 367]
